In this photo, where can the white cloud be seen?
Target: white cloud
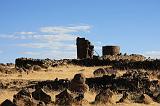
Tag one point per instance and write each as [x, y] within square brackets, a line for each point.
[42, 37]
[52, 38]
[25, 33]
[65, 29]
[33, 45]
[53, 33]
[15, 37]
[51, 46]
[152, 54]
[28, 53]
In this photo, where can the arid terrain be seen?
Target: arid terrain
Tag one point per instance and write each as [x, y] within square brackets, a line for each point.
[60, 72]
[12, 83]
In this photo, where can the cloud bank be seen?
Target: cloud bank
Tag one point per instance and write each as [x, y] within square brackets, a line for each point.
[49, 41]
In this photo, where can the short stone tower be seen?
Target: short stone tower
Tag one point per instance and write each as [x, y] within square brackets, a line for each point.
[110, 50]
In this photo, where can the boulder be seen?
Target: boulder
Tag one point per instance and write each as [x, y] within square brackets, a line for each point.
[79, 97]
[104, 96]
[99, 71]
[64, 98]
[110, 71]
[79, 100]
[78, 84]
[124, 98]
[40, 95]
[7, 103]
[36, 68]
[41, 104]
[158, 98]
[24, 101]
[24, 92]
[144, 98]
[81, 88]
[22, 97]
[79, 78]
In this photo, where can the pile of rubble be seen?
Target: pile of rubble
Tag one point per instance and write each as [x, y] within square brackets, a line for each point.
[132, 57]
[27, 63]
[123, 64]
[7, 68]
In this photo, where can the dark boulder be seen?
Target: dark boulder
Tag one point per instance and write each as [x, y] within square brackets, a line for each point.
[104, 96]
[64, 98]
[99, 71]
[7, 103]
[78, 83]
[124, 97]
[23, 96]
[24, 92]
[40, 95]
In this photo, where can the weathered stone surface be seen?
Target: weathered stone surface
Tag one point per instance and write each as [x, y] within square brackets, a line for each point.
[79, 87]
[36, 68]
[78, 83]
[79, 78]
[7, 103]
[84, 48]
[124, 98]
[158, 98]
[79, 100]
[24, 101]
[64, 98]
[40, 95]
[144, 98]
[23, 97]
[104, 96]
[24, 92]
[99, 71]
[110, 50]
[28, 63]
[132, 57]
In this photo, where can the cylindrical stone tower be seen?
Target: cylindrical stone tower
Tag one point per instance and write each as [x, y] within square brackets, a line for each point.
[110, 50]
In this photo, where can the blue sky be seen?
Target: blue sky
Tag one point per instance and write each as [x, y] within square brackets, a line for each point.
[48, 28]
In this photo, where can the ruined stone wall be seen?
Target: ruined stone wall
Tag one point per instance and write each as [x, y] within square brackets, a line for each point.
[44, 63]
[84, 48]
[132, 57]
[120, 64]
[110, 50]
[28, 62]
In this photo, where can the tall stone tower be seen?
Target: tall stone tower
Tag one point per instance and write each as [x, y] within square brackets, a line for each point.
[84, 48]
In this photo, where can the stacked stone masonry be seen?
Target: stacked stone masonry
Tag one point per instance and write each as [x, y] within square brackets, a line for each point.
[84, 48]
[110, 50]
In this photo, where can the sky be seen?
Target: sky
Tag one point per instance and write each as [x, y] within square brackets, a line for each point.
[48, 28]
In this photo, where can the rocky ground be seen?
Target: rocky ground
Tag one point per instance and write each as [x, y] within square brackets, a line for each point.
[20, 87]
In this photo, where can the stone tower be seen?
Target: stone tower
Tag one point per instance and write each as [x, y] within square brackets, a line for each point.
[110, 50]
[84, 48]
